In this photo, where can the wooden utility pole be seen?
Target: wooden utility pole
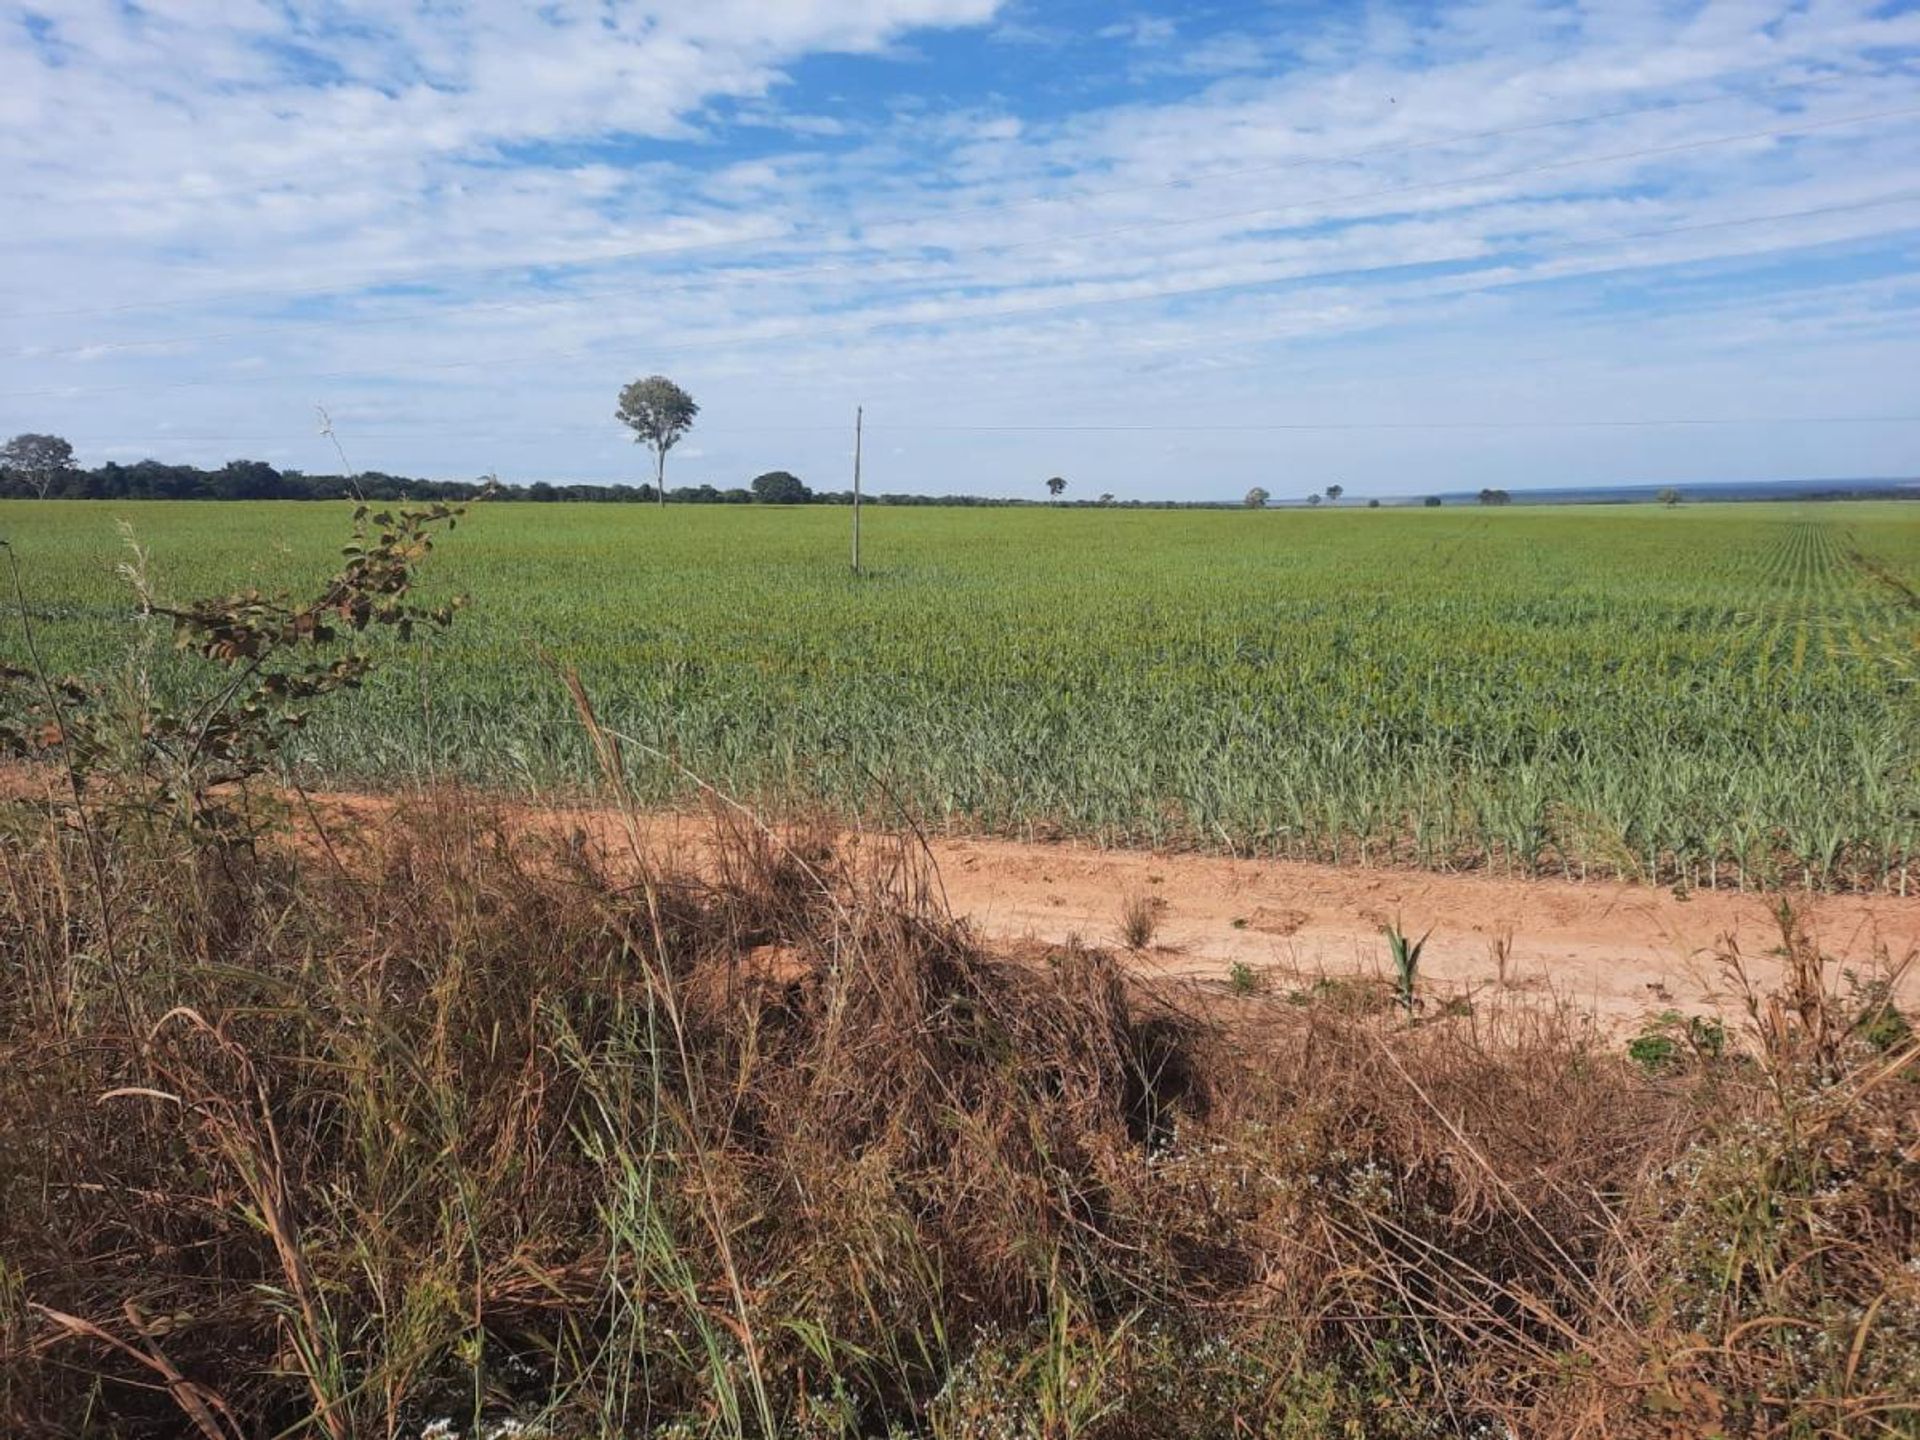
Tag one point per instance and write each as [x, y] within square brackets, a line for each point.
[858, 415]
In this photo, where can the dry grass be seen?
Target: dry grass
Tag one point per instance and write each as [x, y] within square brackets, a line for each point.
[449, 1120]
[1140, 919]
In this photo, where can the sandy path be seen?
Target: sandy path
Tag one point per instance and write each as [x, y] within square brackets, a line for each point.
[1618, 950]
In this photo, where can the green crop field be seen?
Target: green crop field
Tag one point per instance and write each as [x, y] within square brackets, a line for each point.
[1714, 693]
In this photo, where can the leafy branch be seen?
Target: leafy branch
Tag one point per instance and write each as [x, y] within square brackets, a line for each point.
[281, 655]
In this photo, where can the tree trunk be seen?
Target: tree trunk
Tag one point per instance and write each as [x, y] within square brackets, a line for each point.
[660, 477]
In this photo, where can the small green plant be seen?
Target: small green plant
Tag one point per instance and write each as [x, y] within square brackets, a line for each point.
[1344, 994]
[1406, 963]
[1707, 1037]
[1243, 979]
[1654, 1049]
[1878, 1022]
[1666, 1042]
[1885, 1029]
[272, 657]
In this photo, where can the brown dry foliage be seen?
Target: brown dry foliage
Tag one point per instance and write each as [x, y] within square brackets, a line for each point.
[449, 1118]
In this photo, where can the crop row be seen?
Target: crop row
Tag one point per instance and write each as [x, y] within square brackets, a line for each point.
[1717, 695]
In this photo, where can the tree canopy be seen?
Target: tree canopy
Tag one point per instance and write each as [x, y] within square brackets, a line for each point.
[780, 487]
[659, 413]
[38, 461]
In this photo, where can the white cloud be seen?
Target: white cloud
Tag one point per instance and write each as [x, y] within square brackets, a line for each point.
[1376, 216]
[1142, 30]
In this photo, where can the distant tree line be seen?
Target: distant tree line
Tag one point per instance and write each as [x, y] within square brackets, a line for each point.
[49, 473]
[257, 480]
[41, 467]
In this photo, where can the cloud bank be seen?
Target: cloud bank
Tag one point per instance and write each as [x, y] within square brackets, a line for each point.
[1162, 253]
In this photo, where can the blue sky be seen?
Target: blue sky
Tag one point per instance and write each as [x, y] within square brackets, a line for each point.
[1164, 250]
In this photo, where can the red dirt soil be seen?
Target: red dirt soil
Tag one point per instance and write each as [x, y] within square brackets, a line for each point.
[1616, 951]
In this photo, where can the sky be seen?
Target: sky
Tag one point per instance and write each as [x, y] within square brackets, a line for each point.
[1164, 251]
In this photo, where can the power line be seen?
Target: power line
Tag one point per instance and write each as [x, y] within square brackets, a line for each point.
[1289, 208]
[1297, 162]
[810, 330]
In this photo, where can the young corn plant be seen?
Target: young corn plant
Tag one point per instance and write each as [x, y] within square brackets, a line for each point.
[1406, 963]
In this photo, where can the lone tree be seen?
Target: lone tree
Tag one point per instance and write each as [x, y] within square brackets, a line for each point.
[1494, 497]
[1668, 497]
[1055, 486]
[1257, 498]
[1313, 499]
[1334, 492]
[1106, 497]
[658, 412]
[780, 487]
[39, 461]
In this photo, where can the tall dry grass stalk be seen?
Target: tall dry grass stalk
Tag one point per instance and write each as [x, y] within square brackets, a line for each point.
[469, 1118]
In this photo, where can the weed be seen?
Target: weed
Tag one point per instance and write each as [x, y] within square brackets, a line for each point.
[1877, 1020]
[1655, 1049]
[1669, 1040]
[1343, 994]
[265, 661]
[1500, 951]
[1140, 919]
[1405, 955]
[489, 1122]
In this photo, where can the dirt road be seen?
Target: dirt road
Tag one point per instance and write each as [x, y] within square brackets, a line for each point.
[1617, 950]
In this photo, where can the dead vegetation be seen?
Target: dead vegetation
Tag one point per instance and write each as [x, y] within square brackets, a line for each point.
[454, 1123]
[1140, 915]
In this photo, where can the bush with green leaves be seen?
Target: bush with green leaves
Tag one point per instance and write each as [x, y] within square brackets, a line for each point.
[260, 662]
